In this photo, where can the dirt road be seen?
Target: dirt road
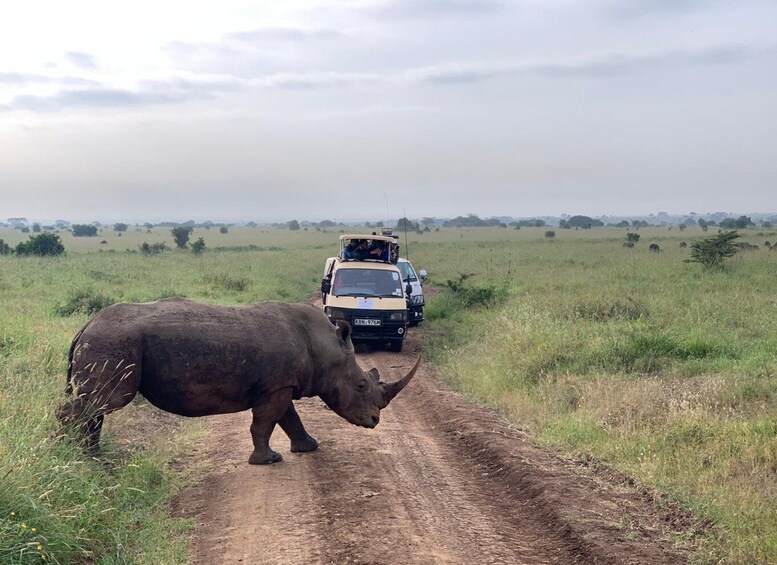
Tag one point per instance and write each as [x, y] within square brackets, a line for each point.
[440, 480]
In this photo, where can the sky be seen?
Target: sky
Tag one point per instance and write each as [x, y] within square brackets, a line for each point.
[273, 110]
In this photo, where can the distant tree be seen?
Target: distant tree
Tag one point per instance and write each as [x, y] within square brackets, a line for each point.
[563, 224]
[379, 225]
[583, 222]
[739, 223]
[550, 234]
[5, 249]
[632, 237]
[120, 227]
[712, 251]
[25, 229]
[405, 224]
[767, 225]
[42, 244]
[84, 230]
[148, 225]
[198, 246]
[293, 225]
[181, 236]
[622, 224]
[682, 227]
[326, 224]
[36, 227]
[223, 229]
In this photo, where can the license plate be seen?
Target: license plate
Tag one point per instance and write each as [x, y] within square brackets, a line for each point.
[366, 322]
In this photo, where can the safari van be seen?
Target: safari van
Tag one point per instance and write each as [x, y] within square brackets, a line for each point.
[415, 298]
[367, 292]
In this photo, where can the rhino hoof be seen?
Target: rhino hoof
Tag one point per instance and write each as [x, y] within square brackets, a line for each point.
[305, 445]
[265, 458]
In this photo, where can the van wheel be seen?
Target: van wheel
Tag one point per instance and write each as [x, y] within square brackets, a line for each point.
[396, 345]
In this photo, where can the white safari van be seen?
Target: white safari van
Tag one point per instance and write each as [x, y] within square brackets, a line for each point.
[363, 287]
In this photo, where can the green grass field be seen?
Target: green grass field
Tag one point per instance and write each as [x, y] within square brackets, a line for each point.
[651, 364]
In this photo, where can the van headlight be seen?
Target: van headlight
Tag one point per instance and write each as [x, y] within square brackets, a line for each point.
[335, 313]
[399, 316]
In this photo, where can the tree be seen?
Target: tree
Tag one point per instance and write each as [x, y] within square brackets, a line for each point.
[5, 249]
[36, 227]
[583, 222]
[148, 225]
[84, 230]
[739, 223]
[293, 225]
[712, 251]
[181, 236]
[223, 229]
[43, 244]
[406, 225]
[198, 246]
[120, 227]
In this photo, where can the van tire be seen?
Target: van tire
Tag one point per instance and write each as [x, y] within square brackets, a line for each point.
[396, 345]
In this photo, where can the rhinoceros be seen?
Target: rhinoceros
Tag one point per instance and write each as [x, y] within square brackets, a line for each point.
[197, 359]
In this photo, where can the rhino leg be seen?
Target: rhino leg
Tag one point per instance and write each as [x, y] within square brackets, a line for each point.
[266, 415]
[301, 440]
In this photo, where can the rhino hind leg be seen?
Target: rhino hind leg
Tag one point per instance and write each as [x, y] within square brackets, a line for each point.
[266, 414]
[301, 440]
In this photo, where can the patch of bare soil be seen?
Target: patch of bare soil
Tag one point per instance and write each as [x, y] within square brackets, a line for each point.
[440, 480]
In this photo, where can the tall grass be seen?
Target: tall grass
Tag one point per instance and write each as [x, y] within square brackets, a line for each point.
[650, 364]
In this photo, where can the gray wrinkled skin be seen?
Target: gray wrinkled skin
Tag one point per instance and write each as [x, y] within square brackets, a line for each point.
[197, 359]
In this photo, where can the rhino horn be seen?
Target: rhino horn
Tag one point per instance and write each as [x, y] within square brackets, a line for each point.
[390, 390]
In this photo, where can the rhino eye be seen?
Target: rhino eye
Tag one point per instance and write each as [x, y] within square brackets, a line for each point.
[362, 384]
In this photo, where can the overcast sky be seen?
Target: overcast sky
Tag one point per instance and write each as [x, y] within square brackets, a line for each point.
[238, 110]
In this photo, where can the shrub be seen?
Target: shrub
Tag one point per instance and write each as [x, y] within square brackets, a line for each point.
[120, 227]
[44, 244]
[152, 249]
[712, 251]
[83, 301]
[223, 229]
[5, 249]
[632, 237]
[199, 246]
[181, 236]
[550, 234]
[485, 295]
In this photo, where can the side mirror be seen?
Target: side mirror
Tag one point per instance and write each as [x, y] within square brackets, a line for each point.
[326, 285]
[422, 274]
[408, 290]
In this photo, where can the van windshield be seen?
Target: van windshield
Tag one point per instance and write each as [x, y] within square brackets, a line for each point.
[367, 282]
[408, 274]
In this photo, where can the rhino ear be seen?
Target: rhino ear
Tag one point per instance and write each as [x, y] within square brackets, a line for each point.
[343, 330]
[374, 375]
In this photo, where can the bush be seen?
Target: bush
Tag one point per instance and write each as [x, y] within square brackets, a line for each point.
[83, 301]
[632, 237]
[550, 234]
[223, 229]
[152, 249]
[44, 244]
[468, 296]
[120, 227]
[199, 246]
[712, 251]
[5, 249]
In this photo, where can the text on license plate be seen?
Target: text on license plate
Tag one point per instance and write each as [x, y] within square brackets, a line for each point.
[366, 321]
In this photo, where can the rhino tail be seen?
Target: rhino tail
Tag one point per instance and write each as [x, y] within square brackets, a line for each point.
[70, 354]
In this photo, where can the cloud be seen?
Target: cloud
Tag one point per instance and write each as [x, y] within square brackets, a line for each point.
[642, 8]
[413, 9]
[149, 92]
[609, 66]
[282, 34]
[318, 80]
[20, 79]
[81, 60]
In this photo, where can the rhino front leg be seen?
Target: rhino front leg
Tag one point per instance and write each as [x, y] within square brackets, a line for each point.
[266, 415]
[301, 440]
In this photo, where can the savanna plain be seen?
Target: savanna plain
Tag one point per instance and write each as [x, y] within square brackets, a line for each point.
[656, 367]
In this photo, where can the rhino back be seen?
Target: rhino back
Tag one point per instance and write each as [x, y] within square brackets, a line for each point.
[200, 359]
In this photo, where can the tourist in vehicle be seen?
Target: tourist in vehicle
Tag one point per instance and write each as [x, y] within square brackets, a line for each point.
[379, 251]
[356, 250]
